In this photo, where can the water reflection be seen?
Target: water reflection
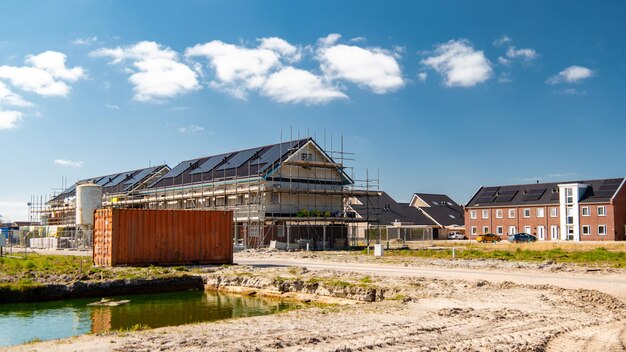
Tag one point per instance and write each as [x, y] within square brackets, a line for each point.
[48, 320]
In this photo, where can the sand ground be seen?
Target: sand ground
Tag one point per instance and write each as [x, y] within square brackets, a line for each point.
[417, 314]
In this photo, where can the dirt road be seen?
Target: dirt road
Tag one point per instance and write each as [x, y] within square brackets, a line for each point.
[417, 314]
[613, 284]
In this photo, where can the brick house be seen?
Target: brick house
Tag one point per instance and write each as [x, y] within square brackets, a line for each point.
[592, 210]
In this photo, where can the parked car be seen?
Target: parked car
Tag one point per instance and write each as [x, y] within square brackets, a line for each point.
[488, 237]
[522, 237]
[456, 236]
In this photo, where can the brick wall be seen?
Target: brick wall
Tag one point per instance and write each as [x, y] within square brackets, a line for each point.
[593, 220]
[619, 214]
[614, 220]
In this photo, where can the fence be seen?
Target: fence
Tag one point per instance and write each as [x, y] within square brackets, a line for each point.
[317, 237]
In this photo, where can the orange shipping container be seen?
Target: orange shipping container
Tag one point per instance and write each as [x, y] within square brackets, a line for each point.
[162, 237]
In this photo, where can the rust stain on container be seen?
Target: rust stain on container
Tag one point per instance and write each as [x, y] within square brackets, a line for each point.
[162, 237]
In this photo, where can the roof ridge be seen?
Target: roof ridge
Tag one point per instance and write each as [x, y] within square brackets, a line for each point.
[243, 150]
[556, 182]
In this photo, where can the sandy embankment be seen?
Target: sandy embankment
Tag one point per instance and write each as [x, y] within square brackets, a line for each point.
[416, 314]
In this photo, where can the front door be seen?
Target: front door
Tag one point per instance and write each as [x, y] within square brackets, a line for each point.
[541, 232]
[512, 230]
[554, 232]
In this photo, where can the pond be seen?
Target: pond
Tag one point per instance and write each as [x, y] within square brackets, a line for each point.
[25, 322]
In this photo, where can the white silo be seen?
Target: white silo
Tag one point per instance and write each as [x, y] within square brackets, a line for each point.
[88, 199]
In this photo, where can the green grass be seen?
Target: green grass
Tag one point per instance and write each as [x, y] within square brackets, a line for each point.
[50, 264]
[36, 268]
[596, 256]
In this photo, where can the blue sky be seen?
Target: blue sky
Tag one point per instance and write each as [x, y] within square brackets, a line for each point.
[437, 97]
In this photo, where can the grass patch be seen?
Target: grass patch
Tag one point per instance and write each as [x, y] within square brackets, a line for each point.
[599, 255]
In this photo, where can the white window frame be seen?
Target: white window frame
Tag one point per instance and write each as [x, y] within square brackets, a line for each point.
[526, 211]
[473, 214]
[603, 210]
[485, 229]
[499, 230]
[528, 230]
[582, 231]
[582, 211]
[554, 212]
[473, 230]
[541, 212]
[485, 214]
[511, 212]
[499, 214]
[603, 227]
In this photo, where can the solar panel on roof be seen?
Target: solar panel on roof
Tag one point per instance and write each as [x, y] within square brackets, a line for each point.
[505, 198]
[507, 192]
[117, 180]
[278, 151]
[71, 189]
[180, 168]
[138, 177]
[536, 191]
[238, 159]
[102, 181]
[531, 197]
[489, 191]
[210, 163]
[484, 200]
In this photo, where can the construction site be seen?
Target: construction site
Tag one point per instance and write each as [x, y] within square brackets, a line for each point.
[288, 195]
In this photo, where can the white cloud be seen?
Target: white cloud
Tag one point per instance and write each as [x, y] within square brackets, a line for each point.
[54, 63]
[85, 41]
[281, 46]
[9, 119]
[374, 68]
[504, 60]
[524, 54]
[571, 74]
[191, 129]
[502, 40]
[239, 69]
[460, 64]
[329, 40]
[268, 69]
[156, 71]
[422, 76]
[292, 85]
[358, 39]
[46, 74]
[7, 97]
[68, 163]
[112, 106]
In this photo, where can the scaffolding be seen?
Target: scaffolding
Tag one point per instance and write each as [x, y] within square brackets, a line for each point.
[301, 201]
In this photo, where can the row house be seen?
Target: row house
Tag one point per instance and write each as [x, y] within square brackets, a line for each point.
[592, 210]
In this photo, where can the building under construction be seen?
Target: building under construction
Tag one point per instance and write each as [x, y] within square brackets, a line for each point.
[291, 194]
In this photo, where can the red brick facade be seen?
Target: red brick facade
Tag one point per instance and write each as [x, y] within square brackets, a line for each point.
[528, 219]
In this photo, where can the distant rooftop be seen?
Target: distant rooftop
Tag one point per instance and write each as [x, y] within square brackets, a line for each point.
[120, 182]
[598, 191]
